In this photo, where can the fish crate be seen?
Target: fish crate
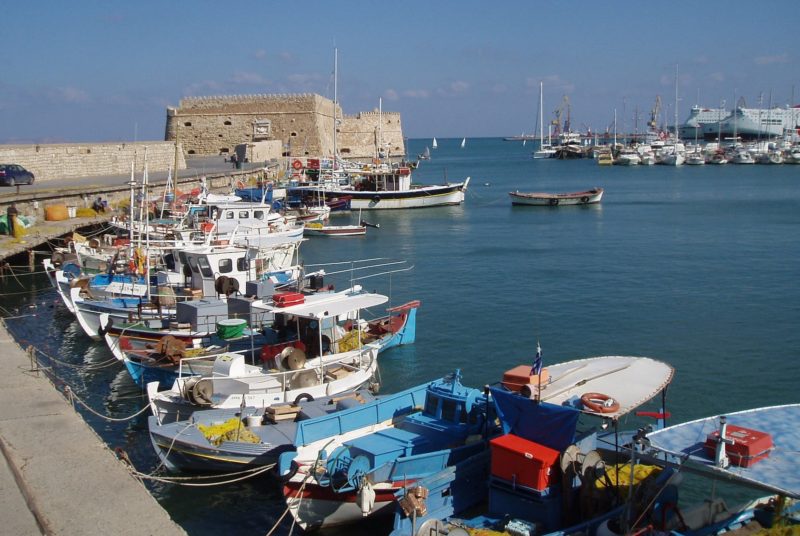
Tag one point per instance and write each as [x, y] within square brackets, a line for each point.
[523, 462]
[520, 376]
[749, 446]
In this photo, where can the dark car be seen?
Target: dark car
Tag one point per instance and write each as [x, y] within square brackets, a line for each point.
[13, 174]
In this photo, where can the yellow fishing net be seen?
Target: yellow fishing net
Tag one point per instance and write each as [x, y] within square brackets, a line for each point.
[349, 341]
[231, 430]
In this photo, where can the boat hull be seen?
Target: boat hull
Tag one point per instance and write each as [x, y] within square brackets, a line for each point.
[425, 196]
[552, 200]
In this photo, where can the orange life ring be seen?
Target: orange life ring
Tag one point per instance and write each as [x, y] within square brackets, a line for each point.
[240, 184]
[297, 164]
[599, 403]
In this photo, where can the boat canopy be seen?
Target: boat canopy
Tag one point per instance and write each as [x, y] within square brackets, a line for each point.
[329, 305]
[778, 472]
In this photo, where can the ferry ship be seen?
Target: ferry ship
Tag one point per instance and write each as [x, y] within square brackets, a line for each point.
[700, 120]
[757, 123]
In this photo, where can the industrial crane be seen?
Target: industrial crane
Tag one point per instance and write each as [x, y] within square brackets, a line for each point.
[564, 107]
[653, 123]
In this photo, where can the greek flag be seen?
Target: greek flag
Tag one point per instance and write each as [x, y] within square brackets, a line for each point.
[536, 369]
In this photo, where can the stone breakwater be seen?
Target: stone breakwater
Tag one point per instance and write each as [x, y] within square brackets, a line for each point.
[70, 160]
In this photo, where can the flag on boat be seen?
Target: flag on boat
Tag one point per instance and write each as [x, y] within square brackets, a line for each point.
[536, 369]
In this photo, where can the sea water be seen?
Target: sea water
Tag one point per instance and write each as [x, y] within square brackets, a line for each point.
[697, 266]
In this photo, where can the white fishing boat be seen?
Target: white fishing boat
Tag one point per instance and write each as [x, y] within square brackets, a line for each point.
[312, 365]
[543, 199]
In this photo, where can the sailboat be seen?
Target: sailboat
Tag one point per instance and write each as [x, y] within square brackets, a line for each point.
[677, 156]
[545, 149]
[425, 155]
[434, 144]
[463, 142]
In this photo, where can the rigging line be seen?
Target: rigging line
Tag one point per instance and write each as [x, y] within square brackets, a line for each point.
[382, 273]
[72, 396]
[354, 269]
[349, 262]
[164, 480]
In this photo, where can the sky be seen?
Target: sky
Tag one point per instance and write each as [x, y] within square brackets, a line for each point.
[85, 70]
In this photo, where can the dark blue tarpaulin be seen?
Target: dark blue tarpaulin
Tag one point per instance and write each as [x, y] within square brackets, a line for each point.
[547, 424]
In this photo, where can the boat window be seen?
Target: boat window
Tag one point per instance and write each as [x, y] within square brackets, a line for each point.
[205, 268]
[193, 264]
[169, 261]
[242, 264]
[243, 215]
[229, 215]
[258, 214]
[182, 257]
[431, 405]
[449, 408]
[225, 266]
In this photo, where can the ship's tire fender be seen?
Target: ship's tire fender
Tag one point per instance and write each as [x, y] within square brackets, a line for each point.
[302, 396]
[554, 202]
[376, 199]
[584, 199]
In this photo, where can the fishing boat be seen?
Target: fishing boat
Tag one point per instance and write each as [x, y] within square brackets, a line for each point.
[552, 200]
[756, 449]
[310, 336]
[320, 229]
[350, 465]
[560, 465]
[223, 440]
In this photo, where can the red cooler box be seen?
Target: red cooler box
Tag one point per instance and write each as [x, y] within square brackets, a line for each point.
[520, 376]
[748, 447]
[524, 462]
[285, 299]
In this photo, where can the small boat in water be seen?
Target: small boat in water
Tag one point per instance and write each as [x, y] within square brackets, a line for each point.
[320, 229]
[552, 200]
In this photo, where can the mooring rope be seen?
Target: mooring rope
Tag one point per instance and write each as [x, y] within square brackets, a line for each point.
[73, 397]
[94, 366]
[188, 481]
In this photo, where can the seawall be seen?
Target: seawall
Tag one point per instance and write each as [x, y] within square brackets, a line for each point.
[69, 160]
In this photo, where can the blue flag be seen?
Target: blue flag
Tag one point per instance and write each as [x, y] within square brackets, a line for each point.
[536, 369]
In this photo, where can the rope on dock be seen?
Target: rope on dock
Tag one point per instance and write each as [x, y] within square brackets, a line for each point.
[73, 398]
[96, 366]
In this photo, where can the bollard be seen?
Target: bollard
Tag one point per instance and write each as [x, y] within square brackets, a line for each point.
[32, 355]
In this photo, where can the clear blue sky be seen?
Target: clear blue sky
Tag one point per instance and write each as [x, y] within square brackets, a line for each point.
[107, 70]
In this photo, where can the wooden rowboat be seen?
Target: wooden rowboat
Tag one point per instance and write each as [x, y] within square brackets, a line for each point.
[318, 229]
[551, 200]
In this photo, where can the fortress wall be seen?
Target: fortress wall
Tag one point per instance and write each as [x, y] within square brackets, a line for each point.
[359, 134]
[60, 161]
[302, 122]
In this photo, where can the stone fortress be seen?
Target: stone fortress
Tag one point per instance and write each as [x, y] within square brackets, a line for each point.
[256, 127]
[288, 124]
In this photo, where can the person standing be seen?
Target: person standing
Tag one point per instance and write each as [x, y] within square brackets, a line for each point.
[11, 217]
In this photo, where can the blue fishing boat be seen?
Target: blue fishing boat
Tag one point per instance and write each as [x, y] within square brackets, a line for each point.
[560, 464]
[351, 464]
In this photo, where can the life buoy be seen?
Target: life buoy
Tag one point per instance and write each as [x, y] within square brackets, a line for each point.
[240, 184]
[553, 201]
[599, 403]
[297, 164]
[584, 199]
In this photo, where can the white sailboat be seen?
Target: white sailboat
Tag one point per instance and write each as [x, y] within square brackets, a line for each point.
[463, 142]
[434, 145]
[545, 149]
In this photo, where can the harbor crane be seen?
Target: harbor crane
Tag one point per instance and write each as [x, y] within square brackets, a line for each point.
[653, 123]
[564, 108]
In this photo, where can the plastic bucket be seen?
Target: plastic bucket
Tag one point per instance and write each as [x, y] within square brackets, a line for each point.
[231, 328]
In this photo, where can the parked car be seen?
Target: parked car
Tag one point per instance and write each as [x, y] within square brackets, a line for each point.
[13, 174]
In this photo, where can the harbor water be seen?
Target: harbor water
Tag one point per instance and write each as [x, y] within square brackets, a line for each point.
[697, 266]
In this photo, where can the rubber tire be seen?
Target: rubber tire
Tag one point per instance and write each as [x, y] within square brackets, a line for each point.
[302, 396]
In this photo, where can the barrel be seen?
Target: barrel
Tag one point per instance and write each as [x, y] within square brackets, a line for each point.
[56, 213]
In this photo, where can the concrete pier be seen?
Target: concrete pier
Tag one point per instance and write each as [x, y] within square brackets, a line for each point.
[56, 475]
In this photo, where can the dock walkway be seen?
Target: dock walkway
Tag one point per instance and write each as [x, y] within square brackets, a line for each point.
[56, 475]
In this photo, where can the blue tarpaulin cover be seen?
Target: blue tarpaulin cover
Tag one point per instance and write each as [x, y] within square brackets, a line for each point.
[547, 424]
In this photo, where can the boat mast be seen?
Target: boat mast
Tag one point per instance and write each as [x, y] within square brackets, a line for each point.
[541, 110]
[676, 104]
[335, 101]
